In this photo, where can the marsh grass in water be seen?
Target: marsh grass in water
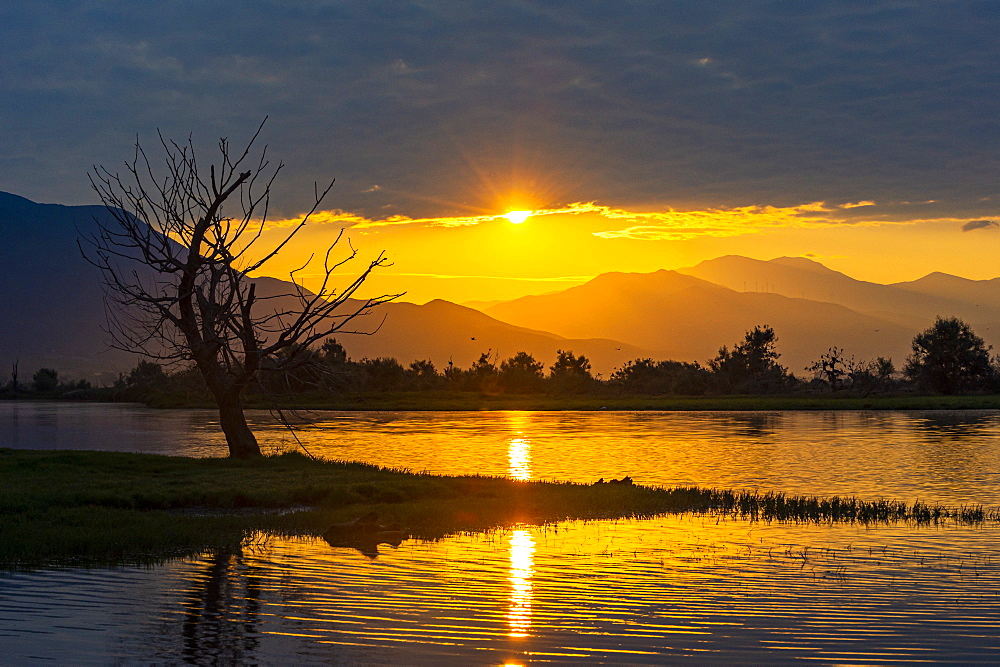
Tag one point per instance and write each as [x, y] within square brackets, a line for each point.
[86, 507]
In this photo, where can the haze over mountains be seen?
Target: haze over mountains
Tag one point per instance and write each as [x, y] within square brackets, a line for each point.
[911, 304]
[443, 331]
[691, 318]
[692, 311]
[53, 310]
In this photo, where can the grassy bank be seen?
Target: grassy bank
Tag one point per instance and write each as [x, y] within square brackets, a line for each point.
[108, 507]
[101, 507]
[461, 401]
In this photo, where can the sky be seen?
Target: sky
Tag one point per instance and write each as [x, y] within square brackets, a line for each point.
[642, 134]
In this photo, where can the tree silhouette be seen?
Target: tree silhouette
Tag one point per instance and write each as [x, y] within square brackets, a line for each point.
[333, 353]
[832, 367]
[949, 358]
[146, 376]
[45, 380]
[521, 373]
[570, 374]
[175, 255]
[422, 375]
[752, 365]
[483, 374]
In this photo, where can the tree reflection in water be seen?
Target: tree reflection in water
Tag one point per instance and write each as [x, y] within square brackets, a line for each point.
[222, 612]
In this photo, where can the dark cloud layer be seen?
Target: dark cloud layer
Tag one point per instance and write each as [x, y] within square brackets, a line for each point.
[438, 103]
[979, 224]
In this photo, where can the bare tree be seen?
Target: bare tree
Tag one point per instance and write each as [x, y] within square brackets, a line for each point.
[176, 253]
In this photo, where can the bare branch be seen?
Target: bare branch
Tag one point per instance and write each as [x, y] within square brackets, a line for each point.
[170, 258]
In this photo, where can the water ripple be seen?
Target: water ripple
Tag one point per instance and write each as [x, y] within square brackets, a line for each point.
[686, 587]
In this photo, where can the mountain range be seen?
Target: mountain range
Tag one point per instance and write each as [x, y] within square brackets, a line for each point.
[54, 315]
[53, 309]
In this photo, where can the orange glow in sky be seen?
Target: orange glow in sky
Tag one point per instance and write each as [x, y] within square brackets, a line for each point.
[483, 257]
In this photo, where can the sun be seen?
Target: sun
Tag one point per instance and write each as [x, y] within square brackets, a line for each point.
[517, 217]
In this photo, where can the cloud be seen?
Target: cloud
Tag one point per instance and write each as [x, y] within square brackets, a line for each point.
[711, 104]
[334, 217]
[685, 225]
[682, 225]
[653, 225]
[356, 221]
[551, 279]
[979, 224]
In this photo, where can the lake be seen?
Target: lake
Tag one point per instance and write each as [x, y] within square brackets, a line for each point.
[637, 591]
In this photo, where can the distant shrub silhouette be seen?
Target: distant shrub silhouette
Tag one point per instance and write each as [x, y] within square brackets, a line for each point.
[383, 373]
[521, 374]
[645, 376]
[333, 353]
[45, 380]
[570, 374]
[422, 376]
[872, 377]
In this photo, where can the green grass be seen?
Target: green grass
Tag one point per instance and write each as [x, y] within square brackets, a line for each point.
[75, 507]
[100, 507]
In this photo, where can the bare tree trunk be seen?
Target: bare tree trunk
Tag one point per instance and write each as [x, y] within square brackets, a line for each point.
[176, 269]
[239, 437]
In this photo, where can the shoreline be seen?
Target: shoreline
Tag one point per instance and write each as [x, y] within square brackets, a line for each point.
[471, 402]
[96, 508]
[449, 401]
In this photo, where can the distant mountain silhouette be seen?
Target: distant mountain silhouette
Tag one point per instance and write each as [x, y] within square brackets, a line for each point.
[481, 305]
[910, 304]
[803, 278]
[50, 297]
[53, 309]
[619, 302]
[443, 331]
[974, 293]
[692, 318]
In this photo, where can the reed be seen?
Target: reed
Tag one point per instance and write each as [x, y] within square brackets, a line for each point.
[776, 506]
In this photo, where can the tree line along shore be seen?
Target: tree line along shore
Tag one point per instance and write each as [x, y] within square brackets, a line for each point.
[950, 366]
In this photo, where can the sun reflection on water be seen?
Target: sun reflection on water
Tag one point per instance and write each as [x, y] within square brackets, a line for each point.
[519, 448]
[519, 458]
[522, 555]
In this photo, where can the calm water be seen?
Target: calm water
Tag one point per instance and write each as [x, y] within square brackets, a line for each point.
[672, 588]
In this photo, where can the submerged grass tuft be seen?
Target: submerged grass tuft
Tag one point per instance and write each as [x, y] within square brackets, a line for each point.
[74, 507]
[774, 506]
